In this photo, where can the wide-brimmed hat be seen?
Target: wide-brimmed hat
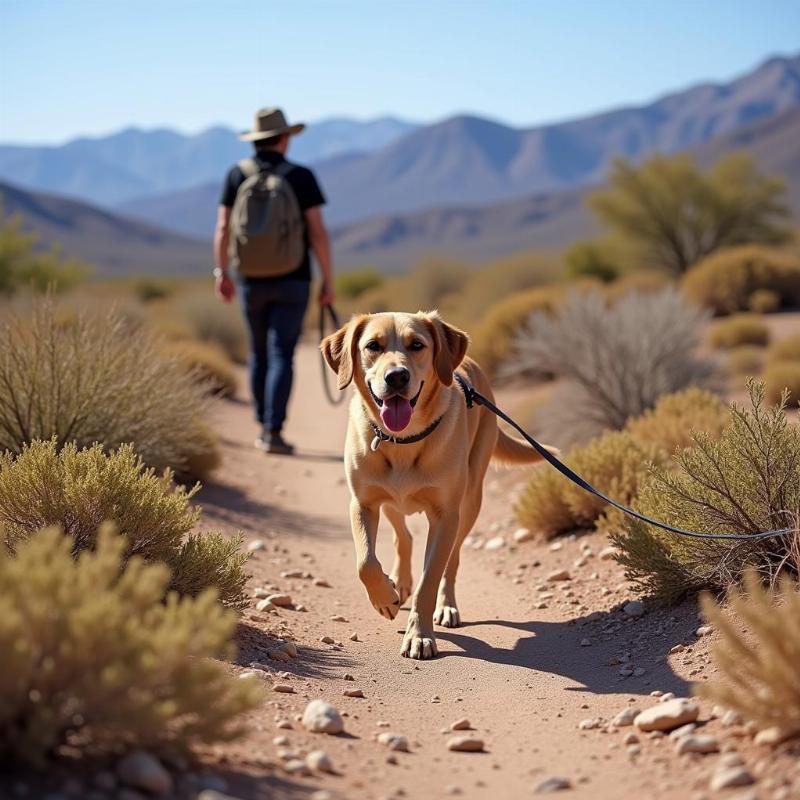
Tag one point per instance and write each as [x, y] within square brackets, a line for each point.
[270, 122]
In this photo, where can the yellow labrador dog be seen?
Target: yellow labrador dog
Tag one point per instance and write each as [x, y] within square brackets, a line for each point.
[413, 446]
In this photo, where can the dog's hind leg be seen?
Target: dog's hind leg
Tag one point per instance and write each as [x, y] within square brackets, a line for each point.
[401, 572]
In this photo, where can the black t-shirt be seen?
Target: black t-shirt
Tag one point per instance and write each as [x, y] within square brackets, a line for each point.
[305, 187]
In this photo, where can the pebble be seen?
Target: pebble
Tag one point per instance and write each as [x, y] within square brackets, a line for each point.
[586, 643]
[322, 717]
[555, 547]
[322, 582]
[731, 718]
[319, 761]
[394, 741]
[588, 724]
[730, 776]
[143, 771]
[353, 692]
[664, 716]
[730, 760]
[283, 688]
[293, 573]
[462, 724]
[554, 784]
[354, 637]
[465, 744]
[297, 766]
[281, 600]
[633, 608]
[522, 535]
[265, 605]
[327, 639]
[338, 618]
[348, 677]
[684, 730]
[280, 741]
[630, 738]
[697, 743]
[495, 543]
[625, 717]
[607, 553]
[558, 575]
[771, 736]
[256, 545]
[704, 630]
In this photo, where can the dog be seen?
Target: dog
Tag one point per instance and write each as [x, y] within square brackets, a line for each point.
[412, 446]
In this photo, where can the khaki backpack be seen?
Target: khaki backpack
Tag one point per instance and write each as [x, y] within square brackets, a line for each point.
[266, 225]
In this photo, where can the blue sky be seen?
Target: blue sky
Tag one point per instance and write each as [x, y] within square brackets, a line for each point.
[71, 67]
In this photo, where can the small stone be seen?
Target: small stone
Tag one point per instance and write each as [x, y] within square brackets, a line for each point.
[465, 744]
[684, 730]
[522, 535]
[256, 545]
[280, 600]
[625, 717]
[338, 618]
[353, 693]
[633, 608]
[283, 724]
[558, 575]
[322, 582]
[322, 717]
[697, 743]
[462, 724]
[348, 677]
[555, 547]
[283, 688]
[586, 643]
[296, 766]
[630, 738]
[678, 648]
[319, 761]
[327, 640]
[495, 543]
[607, 553]
[704, 630]
[771, 736]
[664, 716]
[666, 696]
[280, 741]
[394, 741]
[730, 776]
[638, 672]
[278, 654]
[730, 760]
[731, 718]
[588, 724]
[293, 573]
[554, 784]
[265, 605]
[143, 771]
[354, 637]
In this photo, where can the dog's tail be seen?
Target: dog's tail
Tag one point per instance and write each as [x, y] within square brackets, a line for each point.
[512, 452]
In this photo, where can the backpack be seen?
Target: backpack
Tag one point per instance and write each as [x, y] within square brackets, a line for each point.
[266, 225]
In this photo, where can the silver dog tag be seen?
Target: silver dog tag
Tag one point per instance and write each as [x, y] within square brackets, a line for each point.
[376, 443]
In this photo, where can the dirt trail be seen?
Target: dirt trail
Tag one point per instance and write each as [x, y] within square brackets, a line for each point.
[517, 672]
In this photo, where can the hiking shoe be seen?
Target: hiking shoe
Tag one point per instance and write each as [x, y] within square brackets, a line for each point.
[275, 443]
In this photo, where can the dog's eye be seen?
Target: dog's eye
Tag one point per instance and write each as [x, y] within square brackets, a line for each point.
[417, 345]
[374, 346]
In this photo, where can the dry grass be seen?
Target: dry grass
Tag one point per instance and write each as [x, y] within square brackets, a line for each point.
[738, 330]
[747, 360]
[211, 321]
[208, 363]
[783, 378]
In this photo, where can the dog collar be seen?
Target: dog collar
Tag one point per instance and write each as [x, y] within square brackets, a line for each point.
[382, 436]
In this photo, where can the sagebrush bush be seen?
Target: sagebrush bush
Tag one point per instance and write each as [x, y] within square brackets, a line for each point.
[88, 377]
[764, 301]
[79, 490]
[758, 665]
[541, 506]
[592, 259]
[787, 349]
[726, 281]
[745, 482]
[94, 659]
[350, 285]
[616, 361]
[208, 363]
[746, 360]
[739, 329]
[783, 377]
[212, 321]
[642, 281]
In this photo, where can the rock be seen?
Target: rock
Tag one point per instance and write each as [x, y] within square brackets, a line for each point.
[322, 582]
[394, 741]
[771, 736]
[290, 648]
[607, 553]
[522, 535]
[293, 573]
[684, 730]
[265, 605]
[666, 716]
[327, 640]
[296, 766]
[678, 648]
[586, 643]
[625, 717]
[666, 696]
[460, 725]
[322, 717]
[280, 741]
[704, 630]
[555, 547]
[319, 761]
[348, 677]
[283, 724]
[588, 724]
[730, 760]
[283, 688]
[731, 718]
[354, 637]
[730, 776]
[634, 609]
[278, 654]
[554, 784]
[256, 545]
[143, 771]
[630, 738]
[495, 543]
[338, 618]
[465, 744]
[353, 692]
[280, 600]
[558, 575]
[697, 743]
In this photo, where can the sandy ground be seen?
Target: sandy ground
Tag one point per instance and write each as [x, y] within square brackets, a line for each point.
[516, 669]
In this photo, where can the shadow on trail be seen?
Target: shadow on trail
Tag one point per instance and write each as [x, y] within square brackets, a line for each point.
[319, 456]
[554, 647]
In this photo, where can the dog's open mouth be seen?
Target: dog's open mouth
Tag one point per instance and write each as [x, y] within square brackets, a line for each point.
[396, 411]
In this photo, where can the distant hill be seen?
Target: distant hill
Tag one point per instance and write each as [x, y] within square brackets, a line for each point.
[116, 246]
[112, 169]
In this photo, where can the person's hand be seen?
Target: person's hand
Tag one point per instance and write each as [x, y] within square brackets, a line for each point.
[326, 295]
[224, 287]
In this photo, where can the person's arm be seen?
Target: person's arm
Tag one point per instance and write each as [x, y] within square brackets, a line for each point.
[223, 286]
[320, 243]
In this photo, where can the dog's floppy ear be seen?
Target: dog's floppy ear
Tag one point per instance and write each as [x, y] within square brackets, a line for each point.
[339, 349]
[449, 348]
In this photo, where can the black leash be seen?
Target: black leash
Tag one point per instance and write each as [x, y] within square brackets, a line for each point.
[472, 396]
[334, 397]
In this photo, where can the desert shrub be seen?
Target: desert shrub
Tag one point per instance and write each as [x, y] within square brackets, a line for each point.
[94, 659]
[79, 490]
[616, 361]
[787, 349]
[350, 285]
[764, 301]
[739, 329]
[746, 360]
[725, 281]
[745, 482]
[782, 377]
[97, 378]
[209, 364]
[592, 259]
[758, 669]
[213, 321]
[670, 423]
[642, 281]
[541, 506]
[149, 289]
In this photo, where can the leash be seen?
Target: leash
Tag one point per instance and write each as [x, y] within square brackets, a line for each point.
[334, 398]
[473, 397]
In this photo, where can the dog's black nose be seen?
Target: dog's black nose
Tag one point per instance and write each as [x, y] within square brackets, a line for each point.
[397, 378]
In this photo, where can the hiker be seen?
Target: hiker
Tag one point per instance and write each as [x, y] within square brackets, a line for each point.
[269, 217]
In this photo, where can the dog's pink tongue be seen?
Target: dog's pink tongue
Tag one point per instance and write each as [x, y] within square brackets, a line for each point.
[396, 413]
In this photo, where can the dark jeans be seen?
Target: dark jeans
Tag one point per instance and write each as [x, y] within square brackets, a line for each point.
[274, 313]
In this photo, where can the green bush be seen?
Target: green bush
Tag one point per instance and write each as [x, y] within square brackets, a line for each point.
[746, 360]
[739, 329]
[150, 289]
[94, 659]
[91, 378]
[209, 364]
[212, 321]
[79, 490]
[592, 259]
[350, 285]
[783, 377]
[726, 281]
[746, 481]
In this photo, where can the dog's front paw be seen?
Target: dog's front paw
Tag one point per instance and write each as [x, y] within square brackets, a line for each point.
[447, 616]
[418, 642]
[382, 593]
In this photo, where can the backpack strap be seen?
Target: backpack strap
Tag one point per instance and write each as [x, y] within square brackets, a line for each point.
[252, 166]
[249, 167]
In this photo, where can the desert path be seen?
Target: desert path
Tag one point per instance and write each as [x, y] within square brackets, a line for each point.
[518, 673]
